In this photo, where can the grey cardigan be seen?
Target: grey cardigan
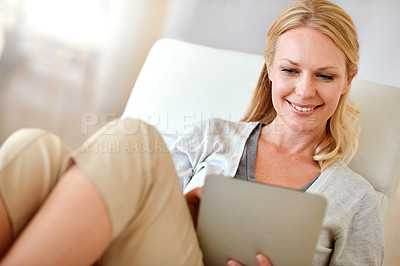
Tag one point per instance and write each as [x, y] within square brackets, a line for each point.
[352, 231]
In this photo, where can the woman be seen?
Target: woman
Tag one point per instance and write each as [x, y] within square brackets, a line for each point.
[125, 206]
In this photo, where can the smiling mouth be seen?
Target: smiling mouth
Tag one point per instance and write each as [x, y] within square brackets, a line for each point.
[303, 109]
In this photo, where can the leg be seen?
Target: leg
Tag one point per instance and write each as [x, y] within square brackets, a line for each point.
[133, 175]
[159, 230]
[5, 229]
[71, 228]
[151, 224]
[30, 164]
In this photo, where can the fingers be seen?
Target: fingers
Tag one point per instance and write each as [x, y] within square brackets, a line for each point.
[261, 259]
[197, 192]
[233, 263]
[193, 198]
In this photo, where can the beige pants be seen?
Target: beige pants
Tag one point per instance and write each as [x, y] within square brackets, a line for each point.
[133, 171]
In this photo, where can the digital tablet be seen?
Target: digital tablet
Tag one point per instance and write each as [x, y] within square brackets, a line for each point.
[238, 219]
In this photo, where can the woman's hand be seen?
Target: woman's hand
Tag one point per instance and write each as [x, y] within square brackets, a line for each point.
[193, 198]
[261, 259]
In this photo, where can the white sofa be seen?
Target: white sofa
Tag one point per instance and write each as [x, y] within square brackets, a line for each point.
[182, 83]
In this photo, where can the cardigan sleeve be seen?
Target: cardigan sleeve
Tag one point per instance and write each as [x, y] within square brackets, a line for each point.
[185, 153]
[361, 242]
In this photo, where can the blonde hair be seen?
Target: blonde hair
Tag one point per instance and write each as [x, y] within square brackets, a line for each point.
[341, 141]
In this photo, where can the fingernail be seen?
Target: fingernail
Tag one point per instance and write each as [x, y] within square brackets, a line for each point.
[230, 263]
[260, 258]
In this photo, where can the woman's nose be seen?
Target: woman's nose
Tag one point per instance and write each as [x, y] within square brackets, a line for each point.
[305, 88]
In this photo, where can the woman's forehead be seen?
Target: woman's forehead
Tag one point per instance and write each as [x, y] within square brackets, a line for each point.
[306, 45]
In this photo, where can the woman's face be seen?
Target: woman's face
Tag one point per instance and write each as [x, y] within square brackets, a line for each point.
[308, 74]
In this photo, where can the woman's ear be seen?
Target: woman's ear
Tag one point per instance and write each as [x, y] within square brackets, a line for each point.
[268, 67]
[347, 85]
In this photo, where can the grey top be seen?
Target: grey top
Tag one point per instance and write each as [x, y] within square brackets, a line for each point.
[247, 162]
[352, 230]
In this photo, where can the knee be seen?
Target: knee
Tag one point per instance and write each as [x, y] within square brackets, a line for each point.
[133, 129]
[25, 135]
[30, 165]
[125, 135]
[133, 126]
[32, 145]
[19, 140]
[29, 152]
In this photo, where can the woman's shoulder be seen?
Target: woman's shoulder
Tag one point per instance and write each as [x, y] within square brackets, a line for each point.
[342, 183]
[350, 179]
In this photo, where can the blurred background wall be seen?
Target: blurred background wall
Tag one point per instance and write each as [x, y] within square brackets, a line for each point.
[68, 65]
[243, 24]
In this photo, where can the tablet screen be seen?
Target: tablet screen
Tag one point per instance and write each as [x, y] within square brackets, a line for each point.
[238, 219]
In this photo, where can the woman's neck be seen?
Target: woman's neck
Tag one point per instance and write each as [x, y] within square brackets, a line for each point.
[289, 141]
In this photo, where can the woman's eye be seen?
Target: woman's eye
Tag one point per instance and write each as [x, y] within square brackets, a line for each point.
[326, 77]
[288, 70]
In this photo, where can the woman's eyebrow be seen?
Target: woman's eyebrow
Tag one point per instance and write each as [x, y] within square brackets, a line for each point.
[327, 67]
[290, 61]
[320, 68]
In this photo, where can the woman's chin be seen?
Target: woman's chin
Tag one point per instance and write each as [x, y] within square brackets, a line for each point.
[305, 127]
